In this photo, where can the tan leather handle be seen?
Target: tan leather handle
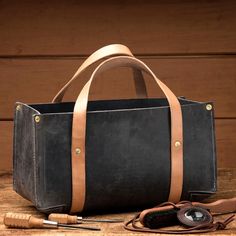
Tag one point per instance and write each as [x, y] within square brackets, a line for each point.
[107, 51]
[79, 134]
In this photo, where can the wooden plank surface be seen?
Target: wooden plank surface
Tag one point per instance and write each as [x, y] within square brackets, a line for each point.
[12, 202]
[200, 79]
[6, 144]
[148, 27]
[225, 143]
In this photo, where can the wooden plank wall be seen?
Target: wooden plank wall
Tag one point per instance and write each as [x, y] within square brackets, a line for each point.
[190, 45]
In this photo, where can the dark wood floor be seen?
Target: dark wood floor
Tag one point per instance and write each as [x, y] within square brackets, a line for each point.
[12, 202]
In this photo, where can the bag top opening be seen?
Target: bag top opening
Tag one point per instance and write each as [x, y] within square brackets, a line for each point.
[107, 105]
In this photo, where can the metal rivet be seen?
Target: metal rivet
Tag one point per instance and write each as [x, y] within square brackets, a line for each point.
[177, 143]
[77, 151]
[209, 107]
[37, 119]
[18, 107]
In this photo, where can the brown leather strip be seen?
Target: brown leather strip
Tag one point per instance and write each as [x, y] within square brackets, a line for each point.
[79, 133]
[133, 225]
[219, 206]
[107, 51]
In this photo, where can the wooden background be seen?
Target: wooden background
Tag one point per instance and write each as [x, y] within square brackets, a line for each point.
[190, 45]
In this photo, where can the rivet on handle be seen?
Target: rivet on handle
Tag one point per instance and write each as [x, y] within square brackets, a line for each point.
[177, 144]
[77, 151]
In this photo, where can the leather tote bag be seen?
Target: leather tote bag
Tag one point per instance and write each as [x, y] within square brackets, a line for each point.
[114, 154]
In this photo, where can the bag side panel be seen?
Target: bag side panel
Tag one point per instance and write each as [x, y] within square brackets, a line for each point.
[200, 167]
[24, 152]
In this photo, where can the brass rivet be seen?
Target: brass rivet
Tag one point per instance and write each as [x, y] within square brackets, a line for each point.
[77, 151]
[208, 107]
[177, 143]
[37, 119]
[18, 107]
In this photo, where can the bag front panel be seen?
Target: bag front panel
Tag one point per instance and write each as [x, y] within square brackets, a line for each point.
[127, 157]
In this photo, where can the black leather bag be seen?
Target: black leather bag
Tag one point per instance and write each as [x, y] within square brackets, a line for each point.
[131, 157]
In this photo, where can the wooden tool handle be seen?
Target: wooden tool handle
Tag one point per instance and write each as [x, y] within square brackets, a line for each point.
[63, 218]
[16, 220]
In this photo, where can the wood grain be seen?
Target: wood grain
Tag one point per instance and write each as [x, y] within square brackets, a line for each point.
[148, 27]
[12, 202]
[6, 145]
[189, 44]
[225, 143]
[200, 79]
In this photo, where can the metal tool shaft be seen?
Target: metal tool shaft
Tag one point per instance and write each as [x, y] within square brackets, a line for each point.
[79, 227]
[79, 219]
[56, 225]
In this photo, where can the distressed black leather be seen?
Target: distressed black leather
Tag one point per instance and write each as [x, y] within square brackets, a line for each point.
[127, 153]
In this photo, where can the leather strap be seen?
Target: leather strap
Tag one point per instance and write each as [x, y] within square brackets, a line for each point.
[203, 228]
[79, 133]
[222, 206]
[219, 206]
[107, 51]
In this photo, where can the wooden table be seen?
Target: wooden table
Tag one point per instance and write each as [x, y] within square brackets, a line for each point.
[10, 201]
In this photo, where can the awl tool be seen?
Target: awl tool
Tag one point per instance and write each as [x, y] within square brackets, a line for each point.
[27, 221]
[69, 219]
